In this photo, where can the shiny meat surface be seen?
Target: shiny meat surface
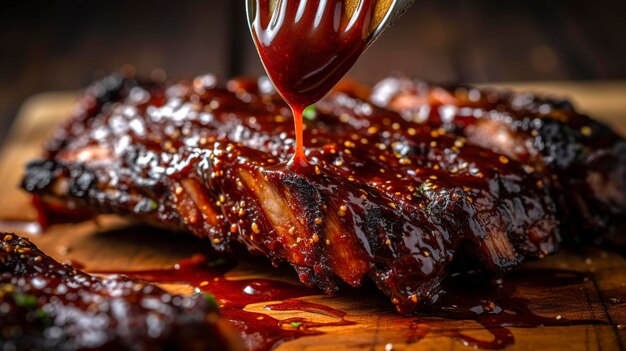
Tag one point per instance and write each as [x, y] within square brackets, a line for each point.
[384, 196]
[583, 160]
[46, 305]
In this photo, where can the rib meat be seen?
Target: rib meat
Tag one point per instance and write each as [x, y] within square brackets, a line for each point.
[582, 159]
[50, 306]
[384, 195]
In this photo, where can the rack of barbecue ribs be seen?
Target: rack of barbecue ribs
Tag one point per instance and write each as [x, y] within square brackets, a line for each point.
[50, 306]
[402, 184]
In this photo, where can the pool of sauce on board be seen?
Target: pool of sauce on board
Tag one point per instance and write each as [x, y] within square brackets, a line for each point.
[492, 304]
[306, 50]
[259, 331]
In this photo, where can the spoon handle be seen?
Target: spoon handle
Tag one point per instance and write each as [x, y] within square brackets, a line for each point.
[386, 14]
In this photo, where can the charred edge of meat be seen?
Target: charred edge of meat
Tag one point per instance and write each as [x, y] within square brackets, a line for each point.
[50, 306]
[94, 99]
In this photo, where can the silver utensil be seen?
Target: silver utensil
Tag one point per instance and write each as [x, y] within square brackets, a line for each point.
[394, 9]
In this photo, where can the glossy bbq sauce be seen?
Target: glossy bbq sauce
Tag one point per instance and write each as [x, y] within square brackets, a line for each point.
[493, 305]
[306, 47]
[260, 332]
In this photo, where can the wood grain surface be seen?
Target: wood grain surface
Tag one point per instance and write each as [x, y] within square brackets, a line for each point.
[111, 243]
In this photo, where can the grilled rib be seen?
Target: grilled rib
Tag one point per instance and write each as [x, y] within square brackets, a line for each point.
[583, 159]
[384, 196]
[51, 306]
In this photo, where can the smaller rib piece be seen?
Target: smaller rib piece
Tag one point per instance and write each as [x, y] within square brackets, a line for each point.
[50, 306]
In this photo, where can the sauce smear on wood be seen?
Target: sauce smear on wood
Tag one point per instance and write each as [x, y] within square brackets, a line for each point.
[492, 304]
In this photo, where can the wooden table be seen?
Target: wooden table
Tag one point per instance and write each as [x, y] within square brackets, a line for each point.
[110, 243]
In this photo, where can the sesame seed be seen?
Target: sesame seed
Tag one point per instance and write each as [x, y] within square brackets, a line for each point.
[318, 220]
[233, 228]
[342, 210]
[315, 238]
[255, 228]
[586, 131]
[292, 230]
[503, 159]
[327, 242]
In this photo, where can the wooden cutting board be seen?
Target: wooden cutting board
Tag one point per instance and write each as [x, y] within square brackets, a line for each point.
[111, 244]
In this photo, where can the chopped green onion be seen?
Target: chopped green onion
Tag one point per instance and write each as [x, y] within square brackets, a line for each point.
[309, 113]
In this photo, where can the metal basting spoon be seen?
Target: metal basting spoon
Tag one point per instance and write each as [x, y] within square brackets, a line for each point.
[386, 13]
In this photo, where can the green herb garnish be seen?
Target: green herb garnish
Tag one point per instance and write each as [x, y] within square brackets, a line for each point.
[210, 299]
[309, 113]
[25, 300]
[43, 316]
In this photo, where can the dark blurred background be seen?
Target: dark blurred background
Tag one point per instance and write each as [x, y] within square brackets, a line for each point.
[61, 45]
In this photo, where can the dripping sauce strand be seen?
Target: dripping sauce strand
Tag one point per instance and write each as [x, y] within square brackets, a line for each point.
[306, 48]
[467, 297]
